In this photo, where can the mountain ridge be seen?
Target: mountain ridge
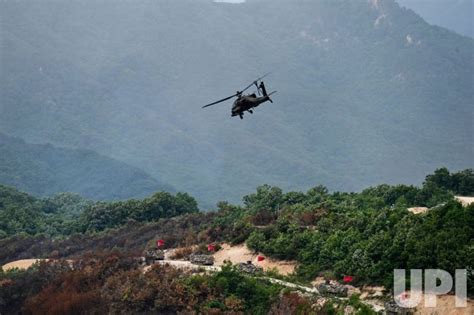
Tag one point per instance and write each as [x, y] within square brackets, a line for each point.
[43, 170]
[368, 92]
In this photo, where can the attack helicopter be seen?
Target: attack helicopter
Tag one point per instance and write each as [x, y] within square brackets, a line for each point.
[245, 103]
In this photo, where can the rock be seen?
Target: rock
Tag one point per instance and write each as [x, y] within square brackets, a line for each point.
[321, 302]
[348, 310]
[248, 267]
[207, 260]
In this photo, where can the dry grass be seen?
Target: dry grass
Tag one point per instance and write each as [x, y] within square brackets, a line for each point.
[181, 253]
[446, 305]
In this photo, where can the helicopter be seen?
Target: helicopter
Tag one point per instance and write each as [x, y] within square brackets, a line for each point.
[245, 103]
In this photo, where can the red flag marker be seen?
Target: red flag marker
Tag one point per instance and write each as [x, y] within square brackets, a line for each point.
[260, 258]
[211, 247]
[348, 279]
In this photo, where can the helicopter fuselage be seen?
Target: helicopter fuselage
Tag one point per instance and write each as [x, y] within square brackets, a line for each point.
[246, 103]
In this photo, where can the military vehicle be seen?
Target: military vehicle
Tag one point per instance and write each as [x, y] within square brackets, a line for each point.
[248, 267]
[152, 255]
[333, 289]
[201, 259]
[245, 103]
[392, 308]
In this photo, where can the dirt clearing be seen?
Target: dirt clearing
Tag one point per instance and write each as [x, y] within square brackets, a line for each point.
[446, 305]
[20, 264]
[465, 201]
[241, 253]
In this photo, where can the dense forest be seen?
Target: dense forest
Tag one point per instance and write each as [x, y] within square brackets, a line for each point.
[365, 234]
[66, 214]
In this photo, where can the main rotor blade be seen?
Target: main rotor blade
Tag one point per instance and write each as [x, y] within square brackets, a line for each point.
[227, 98]
[258, 88]
[254, 82]
[222, 100]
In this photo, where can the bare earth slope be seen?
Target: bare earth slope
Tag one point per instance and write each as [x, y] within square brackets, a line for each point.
[241, 253]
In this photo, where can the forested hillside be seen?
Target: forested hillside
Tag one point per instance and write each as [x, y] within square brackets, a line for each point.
[44, 170]
[368, 92]
[67, 214]
[365, 235]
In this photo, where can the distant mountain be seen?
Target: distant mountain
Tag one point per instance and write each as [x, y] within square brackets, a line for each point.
[368, 92]
[46, 170]
[456, 15]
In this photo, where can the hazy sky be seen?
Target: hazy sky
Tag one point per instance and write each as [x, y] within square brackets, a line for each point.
[455, 15]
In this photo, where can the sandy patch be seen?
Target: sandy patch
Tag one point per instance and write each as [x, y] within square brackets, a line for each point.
[241, 253]
[418, 210]
[446, 305]
[465, 201]
[318, 281]
[20, 264]
[351, 290]
[371, 292]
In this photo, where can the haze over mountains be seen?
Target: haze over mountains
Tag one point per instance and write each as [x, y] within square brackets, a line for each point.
[43, 170]
[455, 15]
[368, 92]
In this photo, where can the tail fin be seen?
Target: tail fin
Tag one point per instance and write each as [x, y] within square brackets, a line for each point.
[264, 91]
[262, 87]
